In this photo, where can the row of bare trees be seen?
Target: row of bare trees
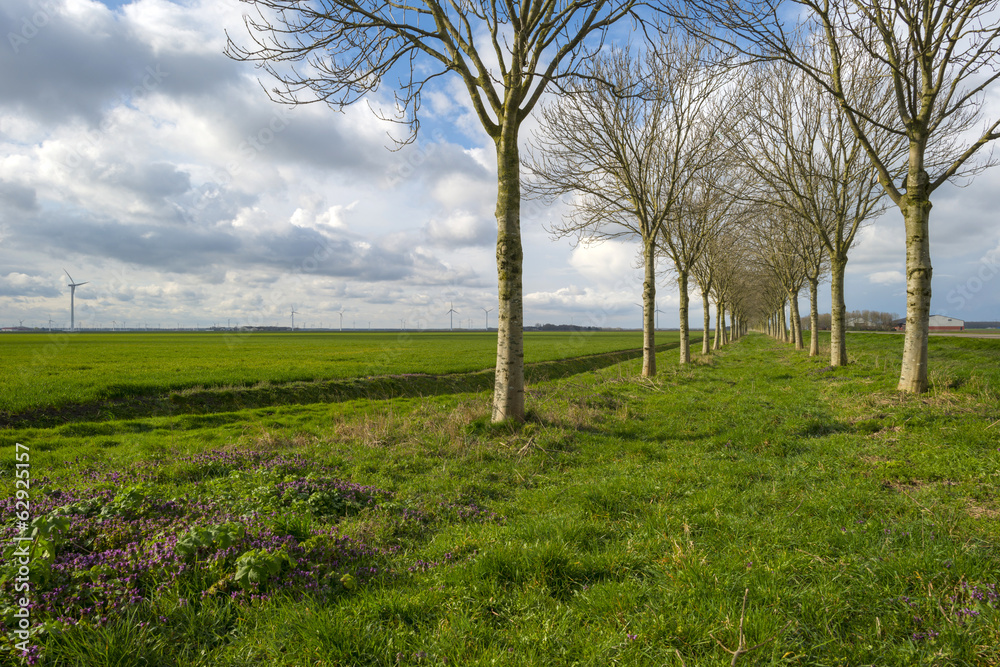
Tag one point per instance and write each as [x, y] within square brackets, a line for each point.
[642, 157]
[750, 197]
[748, 179]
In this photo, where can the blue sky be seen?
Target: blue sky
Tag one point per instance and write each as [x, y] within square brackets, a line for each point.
[135, 155]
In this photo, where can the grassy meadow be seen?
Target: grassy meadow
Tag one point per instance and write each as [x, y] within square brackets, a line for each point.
[754, 508]
[47, 370]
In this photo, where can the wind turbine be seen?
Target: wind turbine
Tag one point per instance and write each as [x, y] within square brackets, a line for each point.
[72, 298]
[658, 311]
[487, 317]
[293, 317]
[341, 313]
[452, 313]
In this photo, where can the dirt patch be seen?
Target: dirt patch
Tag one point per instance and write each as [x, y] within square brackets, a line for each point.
[884, 432]
[977, 511]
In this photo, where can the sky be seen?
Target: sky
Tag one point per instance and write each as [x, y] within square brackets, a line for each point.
[139, 158]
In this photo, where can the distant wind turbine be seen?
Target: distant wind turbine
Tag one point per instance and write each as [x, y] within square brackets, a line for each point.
[341, 313]
[72, 298]
[293, 317]
[452, 313]
[487, 317]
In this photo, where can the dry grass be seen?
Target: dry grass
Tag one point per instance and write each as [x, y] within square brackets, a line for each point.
[978, 511]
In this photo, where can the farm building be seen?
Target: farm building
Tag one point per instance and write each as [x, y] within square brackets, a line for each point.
[945, 323]
[936, 323]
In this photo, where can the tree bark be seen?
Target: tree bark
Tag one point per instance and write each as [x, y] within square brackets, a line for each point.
[508, 390]
[838, 313]
[793, 299]
[706, 347]
[782, 329]
[649, 310]
[916, 208]
[813, 318]
[718, 324]
[685, 344]
[722, 324]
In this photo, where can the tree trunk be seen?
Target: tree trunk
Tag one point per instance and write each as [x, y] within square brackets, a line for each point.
[682, 284]
[793, 299]
[722, 324]
[782, 329]
[838, 313]
[508, 390]
[916, 214]
[649, 310]
[813, 317]
[718, 324]
[706, 347]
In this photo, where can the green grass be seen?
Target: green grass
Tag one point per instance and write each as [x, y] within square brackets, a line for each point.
[622, 525]
[45, 370]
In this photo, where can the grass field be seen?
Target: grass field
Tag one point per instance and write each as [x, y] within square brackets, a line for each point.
[757, 497]
[43, 370]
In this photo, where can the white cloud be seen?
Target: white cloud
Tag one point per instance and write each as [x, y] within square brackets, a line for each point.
[887, 278]
[607, 262]
[461, 228]
[166, 27]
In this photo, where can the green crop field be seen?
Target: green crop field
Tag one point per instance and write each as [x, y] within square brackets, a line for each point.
[756, 507]
[42, 370]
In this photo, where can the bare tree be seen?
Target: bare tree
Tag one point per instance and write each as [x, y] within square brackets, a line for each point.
[815, 264]
[704, 275]
[506, 55]
[628, 159]
[937, 58]
[775, 247]
[704, 207]
[732, 279]
[808, 161]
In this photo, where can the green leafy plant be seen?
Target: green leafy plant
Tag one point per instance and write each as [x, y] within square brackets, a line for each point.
[199, 537]
[257, 566]
[133, 501]
[325, 503]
